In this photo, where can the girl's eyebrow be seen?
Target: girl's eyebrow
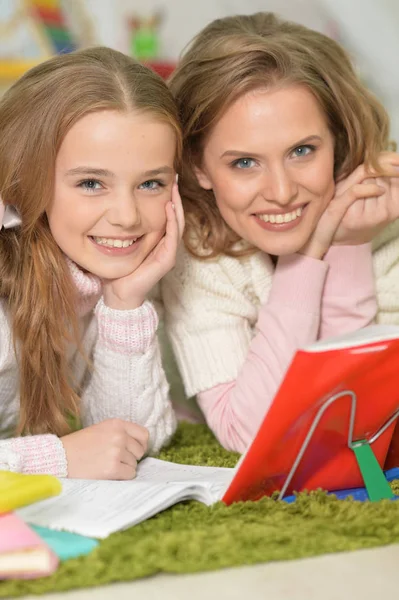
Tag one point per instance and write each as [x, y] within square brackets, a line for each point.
[87, 171]
[90, 171]
[160, 171]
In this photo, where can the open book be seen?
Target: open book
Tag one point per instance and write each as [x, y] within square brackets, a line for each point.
[98, 508]
[335, 393]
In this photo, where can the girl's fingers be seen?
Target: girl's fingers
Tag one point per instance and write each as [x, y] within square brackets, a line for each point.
[172, 227]
[135, 450]
[125, 472]
[127, 457]
[178, 207]
[137, 432]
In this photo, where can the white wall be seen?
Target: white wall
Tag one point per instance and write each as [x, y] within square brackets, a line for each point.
[368, 28]
[371, 30]
[184, 18]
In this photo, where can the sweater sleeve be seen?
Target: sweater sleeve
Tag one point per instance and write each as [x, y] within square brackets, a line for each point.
[347, 303]
[127, 380]
[36, 454]
[386, 269]
[349, 299]
[214, 344]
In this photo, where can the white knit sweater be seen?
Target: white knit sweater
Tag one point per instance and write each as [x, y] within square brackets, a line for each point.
[211, 307]
[127, 380]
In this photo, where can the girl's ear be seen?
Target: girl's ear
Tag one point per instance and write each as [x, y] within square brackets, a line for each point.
[203, 178]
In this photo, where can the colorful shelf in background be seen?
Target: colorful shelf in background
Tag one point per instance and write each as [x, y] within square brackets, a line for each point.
[50, 18]
[10, 70]
[164, 69]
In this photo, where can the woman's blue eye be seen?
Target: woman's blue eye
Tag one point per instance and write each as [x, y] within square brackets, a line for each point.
[151, 184]
[303, 151]
[90, 185]
[244, 163]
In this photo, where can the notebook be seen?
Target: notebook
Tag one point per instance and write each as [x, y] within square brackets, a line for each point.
[64, 544]
[18, 489]
[98, 508]
[23, 554]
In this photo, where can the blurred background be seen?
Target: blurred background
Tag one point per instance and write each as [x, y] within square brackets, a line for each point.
[156, 31]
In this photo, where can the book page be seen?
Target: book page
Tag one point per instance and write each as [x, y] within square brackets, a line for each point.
[153, 469]
[367, 335]
[99, 508]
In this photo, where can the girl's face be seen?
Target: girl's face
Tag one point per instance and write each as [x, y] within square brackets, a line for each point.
[113, 177]
[269, 161]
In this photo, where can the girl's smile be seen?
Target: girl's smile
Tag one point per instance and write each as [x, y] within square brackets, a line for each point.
[112, 184]
[116, 246]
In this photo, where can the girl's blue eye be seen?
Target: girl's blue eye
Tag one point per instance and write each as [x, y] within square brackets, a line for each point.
[303, 151]
[151, 184]
[90, 185]
[244, 163]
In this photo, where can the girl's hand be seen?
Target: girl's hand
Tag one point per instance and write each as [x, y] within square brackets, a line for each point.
[107, 450]
[355, 214]
[365, 218]
[130, 292]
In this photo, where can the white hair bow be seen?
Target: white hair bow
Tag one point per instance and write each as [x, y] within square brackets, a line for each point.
[9, 216]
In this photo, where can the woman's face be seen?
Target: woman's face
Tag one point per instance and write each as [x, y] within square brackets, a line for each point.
[270, 163]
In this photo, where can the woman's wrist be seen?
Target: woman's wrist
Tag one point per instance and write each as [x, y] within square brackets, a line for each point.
[313, 250]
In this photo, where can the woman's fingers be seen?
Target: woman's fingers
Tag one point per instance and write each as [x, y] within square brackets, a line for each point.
[389, 164]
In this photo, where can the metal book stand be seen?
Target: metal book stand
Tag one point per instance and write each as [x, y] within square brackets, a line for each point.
[376, 485]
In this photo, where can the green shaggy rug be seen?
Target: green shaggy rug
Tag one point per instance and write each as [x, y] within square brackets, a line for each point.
[191, 537]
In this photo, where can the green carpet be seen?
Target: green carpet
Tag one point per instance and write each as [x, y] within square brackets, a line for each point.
[191, 537]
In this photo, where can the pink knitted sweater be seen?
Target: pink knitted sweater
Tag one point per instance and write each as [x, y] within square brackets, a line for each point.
[127, 380]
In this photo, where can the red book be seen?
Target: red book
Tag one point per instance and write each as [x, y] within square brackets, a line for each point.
[305, 435]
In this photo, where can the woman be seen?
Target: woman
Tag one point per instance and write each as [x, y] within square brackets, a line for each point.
[280, 141]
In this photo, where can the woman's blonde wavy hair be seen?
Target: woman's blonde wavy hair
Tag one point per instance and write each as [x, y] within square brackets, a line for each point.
[35, 284]
[235, 55]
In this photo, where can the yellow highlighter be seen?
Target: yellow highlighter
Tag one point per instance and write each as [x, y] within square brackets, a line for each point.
[18, 489]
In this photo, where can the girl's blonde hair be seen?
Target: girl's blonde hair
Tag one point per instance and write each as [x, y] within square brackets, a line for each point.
[235, 55]
[35, 284]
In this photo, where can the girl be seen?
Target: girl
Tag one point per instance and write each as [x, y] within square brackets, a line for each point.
[91, 219]
[276, 254]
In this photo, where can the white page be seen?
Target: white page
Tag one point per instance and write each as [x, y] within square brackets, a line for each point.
[153, 469]
[98, 508]
[367, 335]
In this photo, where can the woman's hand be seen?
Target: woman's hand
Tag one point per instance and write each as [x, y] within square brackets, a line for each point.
[130, 292]
[365, 218]
[364, 203]
[107, 450]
